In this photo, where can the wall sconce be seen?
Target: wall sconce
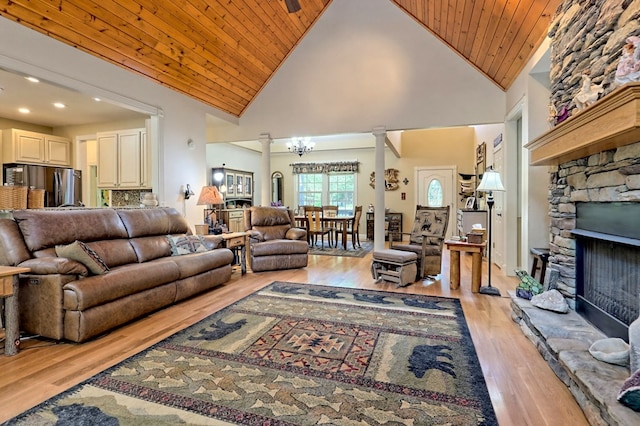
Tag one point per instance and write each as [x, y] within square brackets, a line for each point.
[188, 192]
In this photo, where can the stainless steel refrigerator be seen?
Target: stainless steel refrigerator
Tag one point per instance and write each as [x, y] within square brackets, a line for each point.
[63, 186]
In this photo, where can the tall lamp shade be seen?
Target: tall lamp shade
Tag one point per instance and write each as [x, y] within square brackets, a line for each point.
[490, 182]
[209, 196]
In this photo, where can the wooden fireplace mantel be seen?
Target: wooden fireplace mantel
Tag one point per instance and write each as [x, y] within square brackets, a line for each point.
[611, 122]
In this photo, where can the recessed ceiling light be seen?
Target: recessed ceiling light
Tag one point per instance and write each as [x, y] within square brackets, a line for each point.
[59, 105]
[97, 99]
[33, 79]
[24, 110]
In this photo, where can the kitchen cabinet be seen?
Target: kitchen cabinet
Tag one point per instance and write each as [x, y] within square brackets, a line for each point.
[25, 147]
[123, 159]
[392, 225]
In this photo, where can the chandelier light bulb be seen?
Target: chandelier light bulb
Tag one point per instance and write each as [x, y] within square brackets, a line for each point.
[300, 146]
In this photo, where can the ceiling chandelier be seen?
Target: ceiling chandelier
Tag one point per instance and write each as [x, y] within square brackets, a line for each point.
[300, 146]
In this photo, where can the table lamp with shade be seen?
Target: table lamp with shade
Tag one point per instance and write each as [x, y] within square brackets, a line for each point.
[490, 182]
[210, 196]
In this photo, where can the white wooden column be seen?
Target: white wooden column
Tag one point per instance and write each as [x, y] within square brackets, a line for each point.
[265, 182]
[378, 224]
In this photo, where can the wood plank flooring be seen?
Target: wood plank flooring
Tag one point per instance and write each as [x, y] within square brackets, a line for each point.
[523, 389]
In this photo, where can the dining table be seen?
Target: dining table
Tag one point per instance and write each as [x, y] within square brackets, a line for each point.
[342, 224]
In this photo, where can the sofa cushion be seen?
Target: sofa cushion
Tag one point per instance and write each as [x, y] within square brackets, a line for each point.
[280, 247]
[43, 229]
[147, 222]
[120, 282]
[150, 248]
[82, 253]
[186, 244]
[198, 263]
[114, 252]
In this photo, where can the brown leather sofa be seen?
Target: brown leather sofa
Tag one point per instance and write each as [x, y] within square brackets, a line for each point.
[62, 299]
[274, 241]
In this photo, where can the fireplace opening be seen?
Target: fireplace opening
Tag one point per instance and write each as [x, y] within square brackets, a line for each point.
[608, 265]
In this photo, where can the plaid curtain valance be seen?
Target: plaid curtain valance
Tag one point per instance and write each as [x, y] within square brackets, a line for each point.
[333, 167]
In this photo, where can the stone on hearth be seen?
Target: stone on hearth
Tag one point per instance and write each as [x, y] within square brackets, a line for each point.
[611, 350]
[551, 300]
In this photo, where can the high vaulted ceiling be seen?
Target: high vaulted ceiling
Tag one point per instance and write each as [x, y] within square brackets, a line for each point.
[223, 52]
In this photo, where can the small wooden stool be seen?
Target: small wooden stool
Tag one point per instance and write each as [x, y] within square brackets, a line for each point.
[542, 255]
[394, 266]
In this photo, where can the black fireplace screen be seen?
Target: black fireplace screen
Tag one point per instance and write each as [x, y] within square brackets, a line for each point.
[608, 265]
[611, 277]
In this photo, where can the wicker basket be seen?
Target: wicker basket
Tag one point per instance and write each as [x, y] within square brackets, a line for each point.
[13, 197]
[35, 199]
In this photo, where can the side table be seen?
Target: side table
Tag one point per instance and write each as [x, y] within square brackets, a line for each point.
[237, 242]
[455, 247]
[9, 286]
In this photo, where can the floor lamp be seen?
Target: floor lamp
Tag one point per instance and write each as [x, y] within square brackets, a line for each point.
[490, 182]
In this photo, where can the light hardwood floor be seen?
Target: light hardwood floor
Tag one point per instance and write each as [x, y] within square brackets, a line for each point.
[523, 389]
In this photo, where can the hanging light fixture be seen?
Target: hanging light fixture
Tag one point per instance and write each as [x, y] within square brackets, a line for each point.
[300, 146]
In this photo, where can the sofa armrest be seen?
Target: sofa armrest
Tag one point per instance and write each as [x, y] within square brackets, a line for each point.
[256, 236]
[55, 265]
[296, 234]
[212, 241]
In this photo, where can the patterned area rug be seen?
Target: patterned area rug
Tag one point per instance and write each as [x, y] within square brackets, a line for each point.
[295, 354]
[339, 251]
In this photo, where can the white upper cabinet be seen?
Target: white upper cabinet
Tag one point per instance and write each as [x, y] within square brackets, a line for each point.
[122, 159]
[22, 146]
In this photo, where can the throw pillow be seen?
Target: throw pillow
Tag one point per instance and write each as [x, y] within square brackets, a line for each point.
[80, 252]
[528, 286]
[629, 394]
[185, 244]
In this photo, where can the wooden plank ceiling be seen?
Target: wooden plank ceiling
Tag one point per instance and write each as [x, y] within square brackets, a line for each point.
[223, 52]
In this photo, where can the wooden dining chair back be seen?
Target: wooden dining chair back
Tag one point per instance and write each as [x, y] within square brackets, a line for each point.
[354, 227]
[332, 226]
[315, 225]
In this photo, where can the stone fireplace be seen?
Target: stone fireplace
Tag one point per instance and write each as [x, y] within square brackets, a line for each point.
[595, 159]
[596, 155]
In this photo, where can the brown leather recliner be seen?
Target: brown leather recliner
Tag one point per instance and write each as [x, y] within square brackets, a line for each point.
[274, 241]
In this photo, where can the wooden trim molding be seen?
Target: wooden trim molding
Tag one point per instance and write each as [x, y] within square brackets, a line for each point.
[611, 122]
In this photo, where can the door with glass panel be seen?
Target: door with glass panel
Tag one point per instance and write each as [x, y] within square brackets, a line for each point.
[436, 188]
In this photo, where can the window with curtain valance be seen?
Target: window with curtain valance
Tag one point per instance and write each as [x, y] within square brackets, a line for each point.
[328, 167]
[330, 183]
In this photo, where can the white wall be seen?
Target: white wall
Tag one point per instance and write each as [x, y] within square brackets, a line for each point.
[366, 63]
[530, 96]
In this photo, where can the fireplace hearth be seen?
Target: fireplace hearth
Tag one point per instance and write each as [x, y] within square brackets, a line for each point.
[607, 260]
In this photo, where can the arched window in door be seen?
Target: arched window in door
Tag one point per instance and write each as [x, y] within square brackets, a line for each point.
[435, 197]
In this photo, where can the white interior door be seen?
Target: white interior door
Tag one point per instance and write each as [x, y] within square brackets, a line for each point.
[498, 242]
[436, 188]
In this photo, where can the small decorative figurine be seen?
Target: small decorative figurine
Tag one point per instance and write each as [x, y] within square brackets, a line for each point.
[629, 64]
[588, 93]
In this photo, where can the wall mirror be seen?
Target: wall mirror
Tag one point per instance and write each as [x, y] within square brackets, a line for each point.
[277, 187]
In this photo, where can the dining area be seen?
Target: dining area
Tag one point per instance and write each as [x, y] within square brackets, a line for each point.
[329, 224]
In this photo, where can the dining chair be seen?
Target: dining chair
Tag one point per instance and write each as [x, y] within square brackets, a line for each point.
[353, 228]
[315, 225]
[332, 226]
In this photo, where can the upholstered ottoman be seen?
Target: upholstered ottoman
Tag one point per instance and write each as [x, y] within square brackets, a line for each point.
[394, 266]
